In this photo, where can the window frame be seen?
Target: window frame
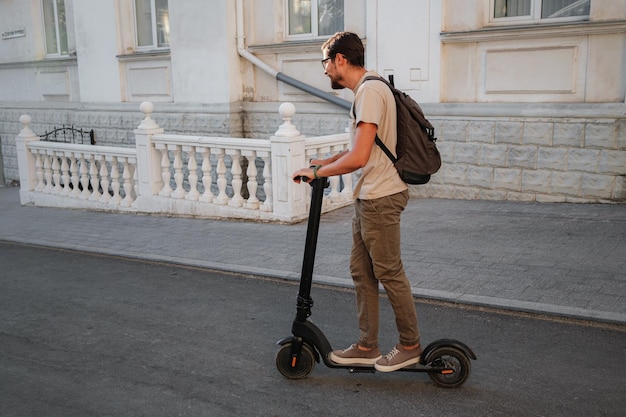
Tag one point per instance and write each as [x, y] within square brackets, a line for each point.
[57, 30]
[153, 25]
[533, 18]
[314, 34]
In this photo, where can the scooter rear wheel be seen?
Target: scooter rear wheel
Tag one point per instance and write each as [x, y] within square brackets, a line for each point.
[455, 363]
[304, 366]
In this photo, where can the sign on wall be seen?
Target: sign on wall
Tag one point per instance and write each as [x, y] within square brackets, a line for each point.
[15, 33]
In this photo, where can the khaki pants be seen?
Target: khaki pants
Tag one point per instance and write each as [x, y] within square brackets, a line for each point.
[376, 258]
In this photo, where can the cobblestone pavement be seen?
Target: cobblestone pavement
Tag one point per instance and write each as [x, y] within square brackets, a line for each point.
[554, 258]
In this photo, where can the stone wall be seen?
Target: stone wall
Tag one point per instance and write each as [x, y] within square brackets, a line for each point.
[543, 152]
[554, 154]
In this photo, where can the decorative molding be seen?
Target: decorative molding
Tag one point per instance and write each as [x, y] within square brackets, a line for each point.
[536, 31]
[143, 56]
[43, 63]
[587, 111]
[521, 111]
[314, 45]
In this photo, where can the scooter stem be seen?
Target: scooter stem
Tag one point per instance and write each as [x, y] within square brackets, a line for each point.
[305, 302]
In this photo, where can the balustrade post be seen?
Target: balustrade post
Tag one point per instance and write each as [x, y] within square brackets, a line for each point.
[25, 159]
[149, 180]
[288, 155]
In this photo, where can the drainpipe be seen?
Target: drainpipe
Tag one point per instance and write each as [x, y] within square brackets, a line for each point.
[244, 53]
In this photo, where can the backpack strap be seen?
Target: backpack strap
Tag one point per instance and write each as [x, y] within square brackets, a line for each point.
[421, 119]
[386, 150]
[378, 141]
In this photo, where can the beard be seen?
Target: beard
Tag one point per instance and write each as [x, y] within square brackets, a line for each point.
[336, 86]
[335, 83]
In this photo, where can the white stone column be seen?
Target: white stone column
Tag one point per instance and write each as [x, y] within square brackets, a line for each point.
[288, 155]
[148, 157]
[25, 159]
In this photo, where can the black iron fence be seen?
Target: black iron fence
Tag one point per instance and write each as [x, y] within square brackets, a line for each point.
[70, 134]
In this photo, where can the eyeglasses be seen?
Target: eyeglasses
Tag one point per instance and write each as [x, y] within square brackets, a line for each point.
[324, 61]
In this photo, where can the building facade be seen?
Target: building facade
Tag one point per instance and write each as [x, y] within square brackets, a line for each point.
[528, 96]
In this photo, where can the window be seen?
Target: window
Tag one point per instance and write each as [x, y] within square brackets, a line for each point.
[541, 9]
[314, 17]
[153, 24]
[55, 29]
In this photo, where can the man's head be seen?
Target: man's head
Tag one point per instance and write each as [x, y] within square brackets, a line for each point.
[343, 54]
[347, 44]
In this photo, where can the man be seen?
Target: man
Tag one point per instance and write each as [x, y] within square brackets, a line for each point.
[380, 197]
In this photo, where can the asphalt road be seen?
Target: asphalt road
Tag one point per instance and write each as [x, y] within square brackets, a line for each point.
[87, 335]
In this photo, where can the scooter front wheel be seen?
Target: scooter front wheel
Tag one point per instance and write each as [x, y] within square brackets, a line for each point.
[452, 367]
[303, 366]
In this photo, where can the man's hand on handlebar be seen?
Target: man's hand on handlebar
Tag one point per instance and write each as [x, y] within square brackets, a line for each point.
[304, 174]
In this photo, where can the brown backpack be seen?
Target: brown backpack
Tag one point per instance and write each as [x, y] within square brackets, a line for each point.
[417, 154]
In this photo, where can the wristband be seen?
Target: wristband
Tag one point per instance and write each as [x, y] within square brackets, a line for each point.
[315, 171]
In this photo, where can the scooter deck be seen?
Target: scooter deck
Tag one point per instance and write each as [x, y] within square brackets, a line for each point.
[362, 368]
[411, 368]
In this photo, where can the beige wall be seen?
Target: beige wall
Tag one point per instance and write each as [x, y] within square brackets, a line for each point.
[463, 15]
[567, 62]
[608, 10]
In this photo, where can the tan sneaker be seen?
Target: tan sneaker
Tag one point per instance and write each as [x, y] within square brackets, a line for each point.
[399, 357]
[355, 356]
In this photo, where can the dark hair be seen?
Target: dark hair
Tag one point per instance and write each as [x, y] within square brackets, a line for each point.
[347, 44]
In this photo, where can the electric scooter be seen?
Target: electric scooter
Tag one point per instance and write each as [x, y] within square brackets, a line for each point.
[447, 361]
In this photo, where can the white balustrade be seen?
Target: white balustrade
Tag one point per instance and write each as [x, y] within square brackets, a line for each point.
[115, 182]
[220, 156]
[267, 178]
[74, 177]
[193, 194]
[104, 180]
[222, 197]
[206, 196]
[180, 175]
[47, 173]
[84, 172]
[39, 166]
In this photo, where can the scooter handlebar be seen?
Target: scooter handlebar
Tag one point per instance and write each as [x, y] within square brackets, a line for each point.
[312, 181]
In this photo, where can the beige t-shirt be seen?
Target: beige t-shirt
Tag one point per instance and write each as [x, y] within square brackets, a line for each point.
[374, 103]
